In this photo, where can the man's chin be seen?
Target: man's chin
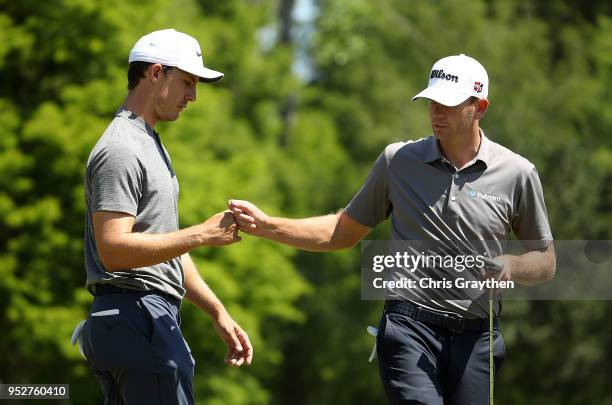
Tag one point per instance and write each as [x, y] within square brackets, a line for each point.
[171, 117]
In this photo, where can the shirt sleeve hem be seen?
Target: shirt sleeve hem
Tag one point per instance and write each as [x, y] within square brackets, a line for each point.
[115, 208]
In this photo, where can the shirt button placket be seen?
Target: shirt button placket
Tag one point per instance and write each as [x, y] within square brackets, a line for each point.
[452, 193]
[453, 189]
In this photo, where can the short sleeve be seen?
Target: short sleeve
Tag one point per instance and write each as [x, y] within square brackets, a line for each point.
[371, 204]
[115, 180]
[530, 224]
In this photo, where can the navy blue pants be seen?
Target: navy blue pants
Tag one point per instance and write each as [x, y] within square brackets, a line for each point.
[420, 363]
[134, 346]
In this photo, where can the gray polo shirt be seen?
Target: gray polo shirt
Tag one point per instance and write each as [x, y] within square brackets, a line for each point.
[496, 194]
[130, 171]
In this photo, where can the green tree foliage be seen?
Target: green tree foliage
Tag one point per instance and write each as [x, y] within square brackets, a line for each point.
[297, 149]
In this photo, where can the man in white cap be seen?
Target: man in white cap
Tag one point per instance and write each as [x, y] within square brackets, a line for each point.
[454, 188]
[137, 259]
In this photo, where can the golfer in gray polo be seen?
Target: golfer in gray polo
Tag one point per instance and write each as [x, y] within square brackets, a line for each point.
[137, 259]
[454, 187]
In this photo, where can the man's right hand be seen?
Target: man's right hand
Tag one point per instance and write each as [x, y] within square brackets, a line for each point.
[220, 229]
[250, 219]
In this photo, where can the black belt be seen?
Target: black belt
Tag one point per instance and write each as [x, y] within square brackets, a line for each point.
[104, 289]
[452, 322]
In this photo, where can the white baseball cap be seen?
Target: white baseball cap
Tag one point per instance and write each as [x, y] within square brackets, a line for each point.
[454, 79]
[173, 48]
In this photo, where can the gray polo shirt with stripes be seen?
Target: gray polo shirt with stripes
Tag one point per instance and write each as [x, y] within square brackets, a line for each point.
[130, 171]
[497, 193]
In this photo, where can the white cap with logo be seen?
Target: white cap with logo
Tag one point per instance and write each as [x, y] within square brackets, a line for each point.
[454, 79]
[173, 48]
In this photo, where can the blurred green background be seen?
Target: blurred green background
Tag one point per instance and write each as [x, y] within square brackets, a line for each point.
[314, 89]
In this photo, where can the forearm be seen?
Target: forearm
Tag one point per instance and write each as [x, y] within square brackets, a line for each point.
[240, 350]
[317, 234]
[534, 267]
[133, 249]
[198, 291]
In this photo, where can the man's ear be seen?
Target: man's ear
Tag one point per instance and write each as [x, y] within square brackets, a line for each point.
[154, 72]
[481, 108]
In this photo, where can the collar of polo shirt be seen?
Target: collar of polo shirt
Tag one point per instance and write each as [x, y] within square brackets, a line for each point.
[135, 120]
[434, 153]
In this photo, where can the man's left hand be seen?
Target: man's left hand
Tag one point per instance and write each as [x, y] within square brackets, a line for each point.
[239, 349]
[501, 275]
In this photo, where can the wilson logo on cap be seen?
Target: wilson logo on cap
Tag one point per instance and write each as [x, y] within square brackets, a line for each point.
[439, 74]
[478, 87]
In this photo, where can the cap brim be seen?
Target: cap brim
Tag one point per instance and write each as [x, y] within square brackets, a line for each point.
[442, 96]
[205, 74]
[209, 76]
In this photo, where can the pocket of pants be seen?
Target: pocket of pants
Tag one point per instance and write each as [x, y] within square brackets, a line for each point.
[152, 315]
[112, 341]
[390, 324]
[167, 342]
[193, 362]
[499, 349]
[383, 334]
[382, 325]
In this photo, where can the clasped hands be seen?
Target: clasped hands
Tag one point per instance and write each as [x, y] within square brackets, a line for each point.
[222, 228]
